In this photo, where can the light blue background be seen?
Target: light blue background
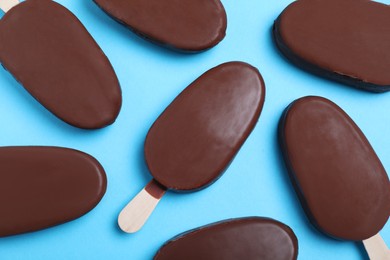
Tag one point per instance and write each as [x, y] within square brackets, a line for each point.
[256, 184]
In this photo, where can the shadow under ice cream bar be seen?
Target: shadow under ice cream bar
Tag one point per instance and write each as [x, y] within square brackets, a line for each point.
[46, 48]
[343, 40]
[45, 186]
[339, 179]
[184, 25]
[197, 136]
[249, 238]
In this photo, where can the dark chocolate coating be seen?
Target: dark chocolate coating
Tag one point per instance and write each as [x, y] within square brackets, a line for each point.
[184, 25]
[250, 238]
[344, 40]
[339, 179]
[197, 136]
[48, 50]
[45, 186]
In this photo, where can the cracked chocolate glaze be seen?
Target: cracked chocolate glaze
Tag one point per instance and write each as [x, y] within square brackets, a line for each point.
[249, 238]
[343, 40]
[199, 133]
[46, 48]
[42, 187]
[337, 175]
[184, 25]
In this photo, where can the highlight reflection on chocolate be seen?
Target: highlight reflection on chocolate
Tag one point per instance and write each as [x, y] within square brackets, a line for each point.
[184, 25]
[249, 238]
[42, 187]
[46, 48]
[347, 41]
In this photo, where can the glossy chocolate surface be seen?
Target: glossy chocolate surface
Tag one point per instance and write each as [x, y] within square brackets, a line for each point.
[45, 186]
[197, 136]
[48, 50]
[250, 238]
[344, 40]
[339, 179]
[185, 25]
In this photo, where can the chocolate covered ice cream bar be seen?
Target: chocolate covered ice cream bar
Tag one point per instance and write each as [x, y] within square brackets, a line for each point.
[347, 41]
[41, 187]
[250, 238]
[47, 49]
[183, 25]
[339, 179]
[194, 140]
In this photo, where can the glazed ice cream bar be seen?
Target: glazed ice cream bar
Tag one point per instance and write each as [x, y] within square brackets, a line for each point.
[347, 41]
[337, 175]
[193, 141]
[46, 48]
[184, 25]
[249, 238]
[41, 187]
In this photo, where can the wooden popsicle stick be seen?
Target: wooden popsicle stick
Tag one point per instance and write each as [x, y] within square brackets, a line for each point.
[134, 215]
[6, 5]
[376, 248]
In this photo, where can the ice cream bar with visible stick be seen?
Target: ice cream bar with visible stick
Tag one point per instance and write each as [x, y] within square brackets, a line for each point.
[5, 5]
[339, 179]
[197, 136]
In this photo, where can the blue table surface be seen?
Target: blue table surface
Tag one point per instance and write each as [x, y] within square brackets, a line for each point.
[256, 183]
